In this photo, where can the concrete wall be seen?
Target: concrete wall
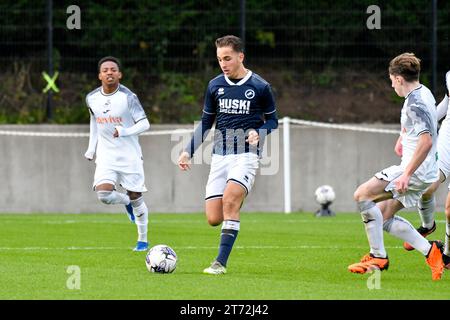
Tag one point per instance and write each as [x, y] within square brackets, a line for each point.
[51, 175]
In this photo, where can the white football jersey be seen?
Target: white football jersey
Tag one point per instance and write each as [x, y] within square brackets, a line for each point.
[418, 117]
[120, 108]
[447, 84]
[443, 145]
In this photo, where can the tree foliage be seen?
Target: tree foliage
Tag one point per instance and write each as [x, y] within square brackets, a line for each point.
[167, 47]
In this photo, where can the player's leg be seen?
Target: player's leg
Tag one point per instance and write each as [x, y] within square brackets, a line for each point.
[213, 210]
[107, 194]
[232, 199]
[446, 255]
[426, 207]
[366, 196]
[140, 212]
[233, 196]
[104, 184]
[215, 187]
[443, 150]
[427, 202]
[240, 179]
[402, 229]
[134, 183]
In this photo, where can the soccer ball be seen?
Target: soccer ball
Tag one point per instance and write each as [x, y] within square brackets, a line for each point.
[325, 194]
[161, 259]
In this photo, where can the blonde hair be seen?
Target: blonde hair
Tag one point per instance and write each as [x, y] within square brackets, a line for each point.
[406, 65]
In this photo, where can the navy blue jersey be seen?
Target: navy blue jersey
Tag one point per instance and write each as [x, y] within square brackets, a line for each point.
[237, 108]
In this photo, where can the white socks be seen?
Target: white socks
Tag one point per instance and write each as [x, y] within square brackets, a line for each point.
[426, 212]
[140, 211]
[396, 226]
[113, 197]
[447, 238]
[373, 223]
[401, 228]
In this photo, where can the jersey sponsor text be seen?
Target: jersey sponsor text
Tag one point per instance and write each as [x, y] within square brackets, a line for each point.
[234, 106]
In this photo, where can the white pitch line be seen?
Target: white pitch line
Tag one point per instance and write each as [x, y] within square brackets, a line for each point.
[189, 248]
[187, 221]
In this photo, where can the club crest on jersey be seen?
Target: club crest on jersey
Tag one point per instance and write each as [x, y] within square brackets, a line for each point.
[249, 94]
[106, 105]
[220, 91]
[234, 106]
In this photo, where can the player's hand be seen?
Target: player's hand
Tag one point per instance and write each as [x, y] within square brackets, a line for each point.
[116, 133]
[401, 184]
[253, 138]
[89, 155]
[184, 161]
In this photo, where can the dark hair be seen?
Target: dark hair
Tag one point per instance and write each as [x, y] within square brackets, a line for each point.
[230, 41]
[406, 65]
[109, 58]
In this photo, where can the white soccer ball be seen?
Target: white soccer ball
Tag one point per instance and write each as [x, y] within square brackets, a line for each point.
[325, 194]
[161, 259]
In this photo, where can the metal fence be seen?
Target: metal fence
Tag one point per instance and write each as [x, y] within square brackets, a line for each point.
[158, 36]
[180, 37]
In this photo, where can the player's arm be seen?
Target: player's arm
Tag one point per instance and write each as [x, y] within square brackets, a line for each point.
[141, 122]
[139, 127]
[423, 147]
[442, 107]
[93, 137]
[200, 133]
[270, 124]
[197, 139]
[270, 118]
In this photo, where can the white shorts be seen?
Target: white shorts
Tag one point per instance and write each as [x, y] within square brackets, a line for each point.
[443, 149]
[416, 187]
[134, 182]
[238, 168]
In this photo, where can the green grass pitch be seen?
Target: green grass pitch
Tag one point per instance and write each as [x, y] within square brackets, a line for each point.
[276, 256]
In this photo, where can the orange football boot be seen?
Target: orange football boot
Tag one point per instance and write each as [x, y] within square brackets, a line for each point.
[434, 260]
[369, 263]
